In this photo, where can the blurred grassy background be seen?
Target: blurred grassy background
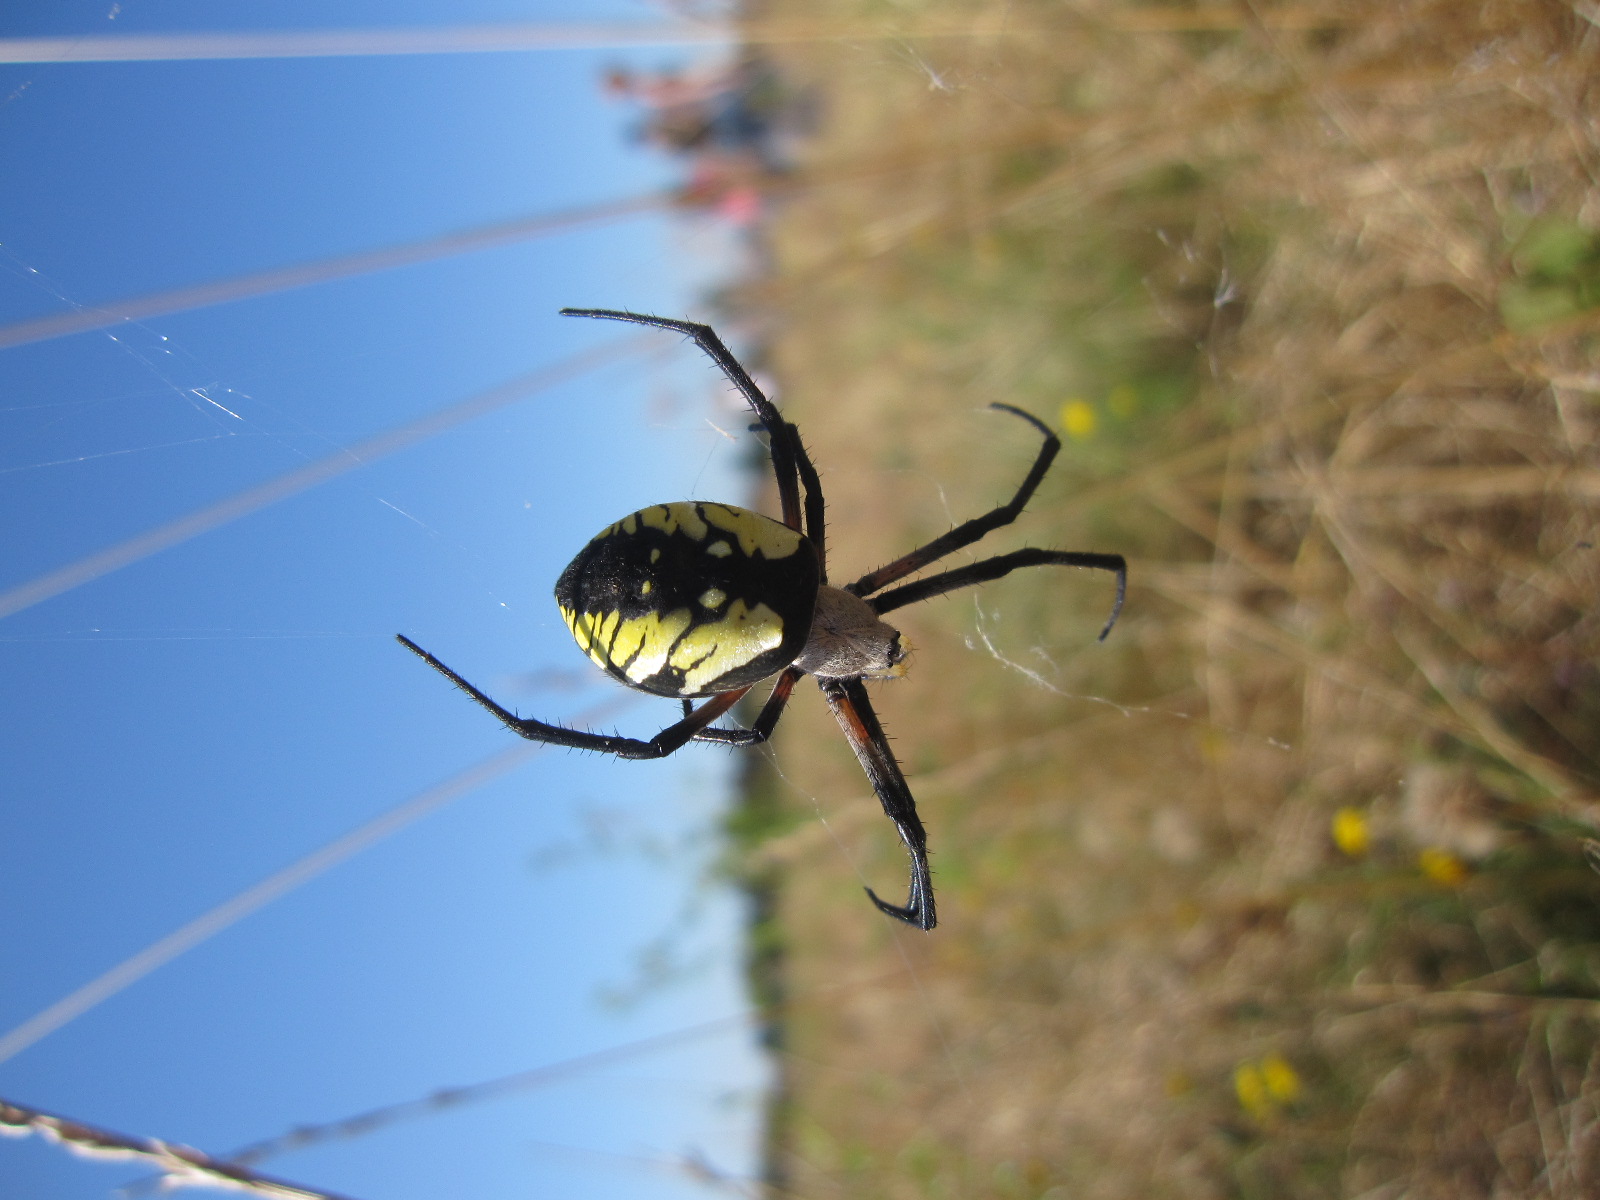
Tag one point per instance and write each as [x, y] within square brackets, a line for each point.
[1281, 891]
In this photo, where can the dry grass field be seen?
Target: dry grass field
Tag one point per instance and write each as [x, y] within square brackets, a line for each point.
[1281, 891]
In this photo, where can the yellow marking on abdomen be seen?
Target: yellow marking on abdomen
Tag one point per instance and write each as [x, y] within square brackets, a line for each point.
[670, 518]
[582, 626]
[647, 640]
[610, 641]
[714, 648]
[754, 531]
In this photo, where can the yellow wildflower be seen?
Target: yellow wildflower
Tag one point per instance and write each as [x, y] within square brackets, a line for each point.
[1078, 418]
[1251, 1088]
[1441, 866]
[1266, 1087]
[1351, 832]
[1282, 1081]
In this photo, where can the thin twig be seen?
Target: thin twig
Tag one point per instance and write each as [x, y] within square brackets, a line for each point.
[181, 1166]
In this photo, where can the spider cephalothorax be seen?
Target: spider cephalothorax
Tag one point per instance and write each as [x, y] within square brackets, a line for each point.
[696, 600]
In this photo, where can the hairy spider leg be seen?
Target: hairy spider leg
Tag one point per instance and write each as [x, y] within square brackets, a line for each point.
[764, 723]
[816, 517]
[987, 569]
[789, 458]
[851, 708]
[673, 737]
[847, 698]
[971, 531]
[975, 530]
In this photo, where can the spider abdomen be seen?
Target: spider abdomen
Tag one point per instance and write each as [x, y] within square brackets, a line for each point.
[692, 598]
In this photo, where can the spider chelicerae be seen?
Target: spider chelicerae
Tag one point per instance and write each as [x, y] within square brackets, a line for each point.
[701, 601]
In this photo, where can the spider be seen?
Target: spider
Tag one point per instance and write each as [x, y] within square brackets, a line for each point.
[700, 602]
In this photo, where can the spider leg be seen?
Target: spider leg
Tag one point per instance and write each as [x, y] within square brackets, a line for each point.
[815, 517]
[969, 531]
[764, 723]
[1003, 564]
[671, 738]
[787, 452]
[848, 699]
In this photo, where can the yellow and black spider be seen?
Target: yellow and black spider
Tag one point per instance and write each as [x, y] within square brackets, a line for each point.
[703, 601]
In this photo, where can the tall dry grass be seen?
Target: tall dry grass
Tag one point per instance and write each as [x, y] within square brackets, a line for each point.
[1281, 891]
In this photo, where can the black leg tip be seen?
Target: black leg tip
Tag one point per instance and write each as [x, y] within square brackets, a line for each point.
[1026, 416]
[920, 915]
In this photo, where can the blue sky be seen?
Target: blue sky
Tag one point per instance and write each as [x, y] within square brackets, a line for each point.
[182, 728]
